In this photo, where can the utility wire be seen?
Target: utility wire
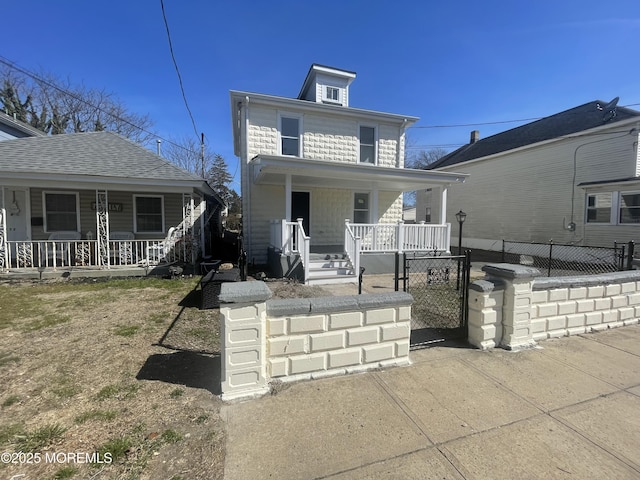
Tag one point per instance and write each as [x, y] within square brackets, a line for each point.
[184, 97]
[24, 71]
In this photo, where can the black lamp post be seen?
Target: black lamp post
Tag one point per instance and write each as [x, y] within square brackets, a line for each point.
[461, 217]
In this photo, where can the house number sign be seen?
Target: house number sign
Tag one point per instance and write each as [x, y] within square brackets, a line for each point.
[113, 207]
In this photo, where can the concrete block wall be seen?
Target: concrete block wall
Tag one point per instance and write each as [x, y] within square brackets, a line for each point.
[513, 309]
[297, 339]
[323, 336]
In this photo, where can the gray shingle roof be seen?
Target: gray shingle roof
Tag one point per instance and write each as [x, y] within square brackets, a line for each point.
[569, 122]
[102, 154]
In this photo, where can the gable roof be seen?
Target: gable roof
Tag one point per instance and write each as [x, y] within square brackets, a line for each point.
[103, 154]
[17, 128]
[577, 119]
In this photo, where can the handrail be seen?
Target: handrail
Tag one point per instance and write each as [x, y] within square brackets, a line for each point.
[352, 245]
[303, 244]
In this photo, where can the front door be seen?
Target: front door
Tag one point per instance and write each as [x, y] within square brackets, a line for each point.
[300, 206]
[15, 204]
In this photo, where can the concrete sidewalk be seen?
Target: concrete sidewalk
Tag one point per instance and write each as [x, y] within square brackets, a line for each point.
[570, 409]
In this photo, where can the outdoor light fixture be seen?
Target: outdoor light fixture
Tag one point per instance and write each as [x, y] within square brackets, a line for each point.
[461, 217]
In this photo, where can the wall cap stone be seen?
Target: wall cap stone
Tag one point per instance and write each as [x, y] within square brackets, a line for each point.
[586, 280]
[281, 307]
[244, 292]
[510, 271]
[487, 286]
[381, 300]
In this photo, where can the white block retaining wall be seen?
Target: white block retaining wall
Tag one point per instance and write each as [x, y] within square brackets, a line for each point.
[513, 309]
[295, 339]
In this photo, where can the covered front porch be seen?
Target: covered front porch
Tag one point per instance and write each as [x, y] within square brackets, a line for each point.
[368, 199]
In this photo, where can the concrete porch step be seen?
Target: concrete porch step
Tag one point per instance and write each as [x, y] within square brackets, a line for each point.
[320, 280]
[329, 271]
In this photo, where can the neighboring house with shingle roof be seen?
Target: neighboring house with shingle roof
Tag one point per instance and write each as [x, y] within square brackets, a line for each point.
[573, 177]
[96, 184]
[11, 128]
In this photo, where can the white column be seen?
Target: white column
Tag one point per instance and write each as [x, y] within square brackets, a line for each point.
[443, 205]
[374, 207]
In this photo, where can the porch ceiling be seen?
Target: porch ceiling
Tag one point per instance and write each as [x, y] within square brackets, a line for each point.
[272, 170]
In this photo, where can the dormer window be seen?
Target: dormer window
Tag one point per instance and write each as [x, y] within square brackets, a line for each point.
[331, 94]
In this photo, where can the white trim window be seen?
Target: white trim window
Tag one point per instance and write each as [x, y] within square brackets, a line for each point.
[367, 141]
[61, 211]
[290, 138]
[148, 214]
[331, 94]
[361, 207]
[629, 211]
[599, 207]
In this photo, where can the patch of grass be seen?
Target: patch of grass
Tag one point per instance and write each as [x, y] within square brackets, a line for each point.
[100, 415]
[158, 318]
[40, 438]
[202, 419]
[117, 447]
[171, 436]
[7, 358]
[10, 400]
[66, 391]
[121, 392]
[178, 392]
[126, 330]
[47, 320]
[8, 432]
[65, 472]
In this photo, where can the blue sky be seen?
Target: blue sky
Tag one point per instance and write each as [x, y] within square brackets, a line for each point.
[449, 63]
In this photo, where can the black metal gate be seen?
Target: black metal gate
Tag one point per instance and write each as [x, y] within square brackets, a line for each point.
[439, 286]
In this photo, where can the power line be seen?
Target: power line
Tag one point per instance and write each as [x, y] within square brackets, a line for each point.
[175, 64]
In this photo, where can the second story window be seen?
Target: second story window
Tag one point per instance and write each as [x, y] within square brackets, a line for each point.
[367, 145]
[290, 136]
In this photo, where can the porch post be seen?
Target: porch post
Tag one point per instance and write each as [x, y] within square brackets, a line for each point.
[287, 197]
[374, 207]
[400, 236]
[102, 228]
[443, 205]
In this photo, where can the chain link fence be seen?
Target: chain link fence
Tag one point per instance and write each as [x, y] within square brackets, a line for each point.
[555, 259]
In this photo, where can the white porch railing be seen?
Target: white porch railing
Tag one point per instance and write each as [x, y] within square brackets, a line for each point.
[85, 253]
[290, 238]
[352, 245]
[400, 237]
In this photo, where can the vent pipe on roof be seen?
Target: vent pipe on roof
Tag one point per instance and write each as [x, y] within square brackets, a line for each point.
[158, 143]
[475, 136]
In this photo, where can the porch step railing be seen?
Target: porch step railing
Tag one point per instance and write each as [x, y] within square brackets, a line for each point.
[85, 253]
[401, 237]
[290, 238]
[352, 246]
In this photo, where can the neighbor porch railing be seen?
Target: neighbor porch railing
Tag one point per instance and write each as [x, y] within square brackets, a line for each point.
[85, 253]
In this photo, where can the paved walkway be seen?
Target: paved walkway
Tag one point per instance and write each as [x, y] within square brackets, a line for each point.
[570, 409]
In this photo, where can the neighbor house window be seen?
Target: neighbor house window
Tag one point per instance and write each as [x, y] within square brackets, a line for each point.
[367, 145]
[290, 136]
[629, 207]
[61, 211]
[427, 215]
[599, 208]
[332, 94]
[360, 208]
[148, 214]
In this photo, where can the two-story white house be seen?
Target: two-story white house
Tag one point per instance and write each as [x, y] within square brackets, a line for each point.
[321, 177]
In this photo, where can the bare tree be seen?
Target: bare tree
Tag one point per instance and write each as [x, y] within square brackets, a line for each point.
[421, 161]
[57, 106]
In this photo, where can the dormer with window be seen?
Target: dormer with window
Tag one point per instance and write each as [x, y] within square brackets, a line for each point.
[327, 85]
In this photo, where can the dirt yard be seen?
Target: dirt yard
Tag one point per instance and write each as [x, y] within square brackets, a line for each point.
[112, 380]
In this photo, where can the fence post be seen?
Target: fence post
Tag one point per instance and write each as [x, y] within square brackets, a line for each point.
[404, 272]
[396, 281]
[630, 253]
[502, 260]
[621, 263]
[550, 258]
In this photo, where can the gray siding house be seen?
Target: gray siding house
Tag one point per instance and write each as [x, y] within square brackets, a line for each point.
[572, 177]
[96, 200]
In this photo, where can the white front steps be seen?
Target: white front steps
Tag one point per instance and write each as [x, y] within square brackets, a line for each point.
[330, 268]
